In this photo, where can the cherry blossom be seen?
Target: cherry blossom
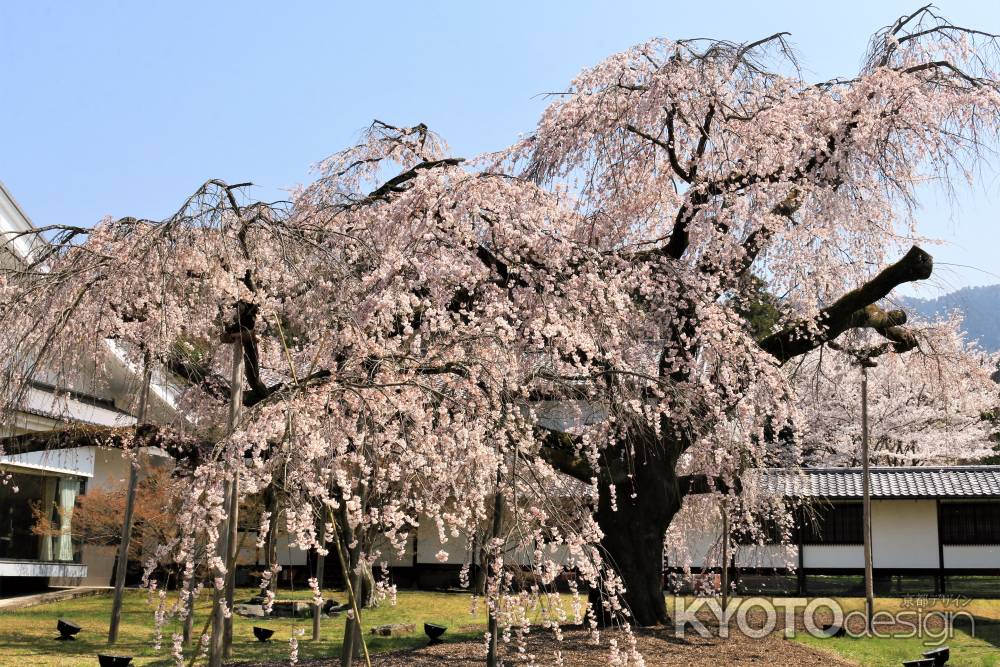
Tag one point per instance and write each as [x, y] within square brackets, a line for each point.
[553, 328]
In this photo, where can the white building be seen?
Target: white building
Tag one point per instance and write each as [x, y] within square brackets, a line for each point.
[934, 530]
[51, 476]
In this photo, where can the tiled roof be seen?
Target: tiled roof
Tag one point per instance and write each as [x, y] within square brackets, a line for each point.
[897, 482]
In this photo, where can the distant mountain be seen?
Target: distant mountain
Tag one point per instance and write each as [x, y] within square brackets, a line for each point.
[979, 305]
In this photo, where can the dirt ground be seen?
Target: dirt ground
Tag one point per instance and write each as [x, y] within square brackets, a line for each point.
[659, 647]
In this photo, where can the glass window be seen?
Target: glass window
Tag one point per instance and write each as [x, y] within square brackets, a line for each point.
[17, 497]
[20, 499]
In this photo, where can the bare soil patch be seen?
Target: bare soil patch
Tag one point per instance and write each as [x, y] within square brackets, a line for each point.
[658, 646]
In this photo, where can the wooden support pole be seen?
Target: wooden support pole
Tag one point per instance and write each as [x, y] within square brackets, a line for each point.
[725, 557]
[218, 647]
[941, 584]
[867, 501]
[133, 479]
[320, 567]
[271, 544]
[493, 629]
[189, 586]
[359, 636]
[233, 552]
[800, 527]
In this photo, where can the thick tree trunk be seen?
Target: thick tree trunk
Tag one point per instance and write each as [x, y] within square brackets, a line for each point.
[479, 585]
[351, 648]
[633, 536]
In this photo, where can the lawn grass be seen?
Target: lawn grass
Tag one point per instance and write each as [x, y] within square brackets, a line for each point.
[27, 635]
[980, 648]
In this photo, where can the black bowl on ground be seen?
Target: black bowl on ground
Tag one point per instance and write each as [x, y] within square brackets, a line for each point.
[940, 655]
[114, 660]
[262, 634]
[434, 631]
[67, 629]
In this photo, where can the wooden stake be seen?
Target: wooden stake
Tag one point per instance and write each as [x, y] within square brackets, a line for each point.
[493, 651]
[725, 557]
[189, 605]
[867, 509]
[133, 479]
[345, 572]
[234, 523]
[218, 646]
[320, 566]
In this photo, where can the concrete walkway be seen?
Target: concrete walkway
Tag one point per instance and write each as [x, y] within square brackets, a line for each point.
[22, 601]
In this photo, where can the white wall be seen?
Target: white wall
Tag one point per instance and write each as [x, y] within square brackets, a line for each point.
[971, 556]
[100, 562]
[695, 551]
[767, 555]
[111, 470]
[833, 555]
[458, 550]
[249, 554]
[391, 556]
[429, 544]
[904, 534]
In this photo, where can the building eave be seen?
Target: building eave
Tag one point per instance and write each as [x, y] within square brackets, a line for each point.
[887, 483]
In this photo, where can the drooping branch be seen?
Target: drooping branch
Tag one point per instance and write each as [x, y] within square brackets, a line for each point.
[689, 485]
[667, 145]
[854, 310]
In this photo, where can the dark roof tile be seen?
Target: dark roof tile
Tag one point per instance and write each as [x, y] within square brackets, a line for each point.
[899, 482]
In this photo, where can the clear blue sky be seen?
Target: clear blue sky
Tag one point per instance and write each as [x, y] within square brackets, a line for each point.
[123, 108]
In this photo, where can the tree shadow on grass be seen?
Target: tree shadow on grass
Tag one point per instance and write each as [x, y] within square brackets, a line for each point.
[984, 629]
[24, 647]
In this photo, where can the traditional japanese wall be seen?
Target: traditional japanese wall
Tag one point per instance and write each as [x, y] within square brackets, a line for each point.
[904, 534]
[767, 556]
[829, 556]
[972, 556]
